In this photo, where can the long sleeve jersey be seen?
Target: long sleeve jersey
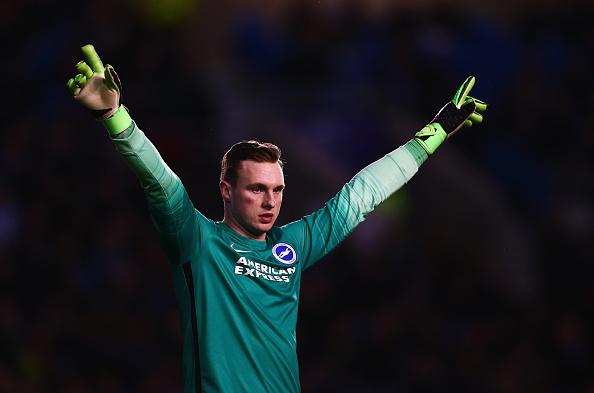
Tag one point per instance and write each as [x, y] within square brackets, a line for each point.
[238, 297]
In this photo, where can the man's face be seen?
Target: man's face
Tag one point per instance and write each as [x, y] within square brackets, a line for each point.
[252, 205]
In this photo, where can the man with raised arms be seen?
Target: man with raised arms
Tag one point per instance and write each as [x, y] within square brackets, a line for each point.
[237, 281]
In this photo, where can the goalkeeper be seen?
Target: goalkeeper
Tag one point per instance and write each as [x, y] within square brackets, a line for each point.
[237, 281]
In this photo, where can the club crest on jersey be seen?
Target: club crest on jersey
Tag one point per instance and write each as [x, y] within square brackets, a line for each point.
[284, 253]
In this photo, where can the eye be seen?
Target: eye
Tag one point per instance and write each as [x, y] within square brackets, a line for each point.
[257, 189]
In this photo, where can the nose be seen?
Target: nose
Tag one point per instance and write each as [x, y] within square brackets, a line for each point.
[269, 201]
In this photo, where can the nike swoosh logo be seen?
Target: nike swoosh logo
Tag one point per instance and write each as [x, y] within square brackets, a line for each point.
[236, 250]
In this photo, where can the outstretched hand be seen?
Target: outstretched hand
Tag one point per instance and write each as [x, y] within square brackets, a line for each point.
[96, 87]
[462, 111]
[469, 108]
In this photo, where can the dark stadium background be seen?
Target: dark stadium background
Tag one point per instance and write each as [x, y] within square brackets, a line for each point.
[476, 277]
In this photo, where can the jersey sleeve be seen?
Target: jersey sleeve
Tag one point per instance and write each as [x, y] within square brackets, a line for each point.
[320, 232]
[171, 210]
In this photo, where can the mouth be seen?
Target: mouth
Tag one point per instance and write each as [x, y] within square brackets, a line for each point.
[266, 218]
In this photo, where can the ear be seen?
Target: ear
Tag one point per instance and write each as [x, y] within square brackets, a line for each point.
[225, 189]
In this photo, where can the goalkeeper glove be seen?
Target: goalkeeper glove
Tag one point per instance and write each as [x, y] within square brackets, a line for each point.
[99, 90]
[463, 110]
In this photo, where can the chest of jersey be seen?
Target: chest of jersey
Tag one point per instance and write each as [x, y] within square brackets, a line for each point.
[269, 273]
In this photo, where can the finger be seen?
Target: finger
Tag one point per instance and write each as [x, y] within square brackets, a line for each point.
[475, 118]
[92, 58]
[112, 76]
[480, 105]
[463, 91]
[84, 69]
[72, 87]
[80, 80]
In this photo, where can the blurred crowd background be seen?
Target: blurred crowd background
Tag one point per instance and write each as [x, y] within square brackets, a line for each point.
[476, 277]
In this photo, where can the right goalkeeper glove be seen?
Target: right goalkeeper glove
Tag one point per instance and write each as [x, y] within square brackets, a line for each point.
[99, 90]
[463, 110]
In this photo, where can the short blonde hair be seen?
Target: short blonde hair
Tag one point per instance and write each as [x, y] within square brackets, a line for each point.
[247, 150]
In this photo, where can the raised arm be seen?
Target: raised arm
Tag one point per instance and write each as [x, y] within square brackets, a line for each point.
[98, 89]
[323, 230]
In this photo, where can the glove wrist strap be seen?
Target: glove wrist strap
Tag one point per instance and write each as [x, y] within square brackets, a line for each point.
[430, 137]
[118, 122]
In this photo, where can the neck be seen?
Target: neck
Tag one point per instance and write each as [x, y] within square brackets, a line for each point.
[235, 226]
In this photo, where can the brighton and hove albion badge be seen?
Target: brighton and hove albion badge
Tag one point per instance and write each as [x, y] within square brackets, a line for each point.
[284, 253]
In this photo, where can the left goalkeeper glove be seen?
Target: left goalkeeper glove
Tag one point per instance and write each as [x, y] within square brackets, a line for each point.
[463, 110]
[99, 90]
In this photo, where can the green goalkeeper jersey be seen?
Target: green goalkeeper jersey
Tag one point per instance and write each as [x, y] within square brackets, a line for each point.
[238, 297]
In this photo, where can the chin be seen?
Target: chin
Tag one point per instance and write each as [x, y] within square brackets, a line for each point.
[264, 227]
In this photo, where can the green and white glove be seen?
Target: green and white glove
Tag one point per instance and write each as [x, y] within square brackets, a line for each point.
[463, 110]
[99, 90]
